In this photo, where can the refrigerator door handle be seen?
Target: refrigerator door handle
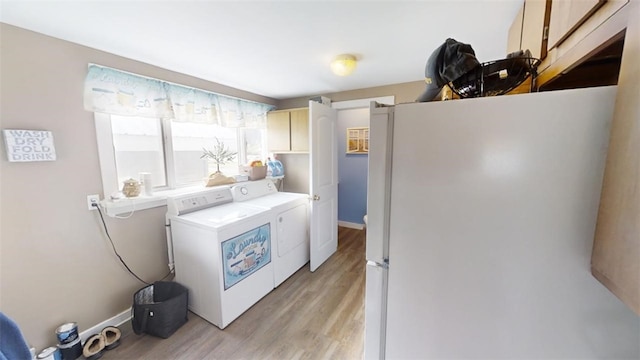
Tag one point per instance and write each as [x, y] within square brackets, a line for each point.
[384, 265]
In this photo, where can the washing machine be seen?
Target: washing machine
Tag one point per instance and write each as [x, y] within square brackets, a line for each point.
[290, 214]
[222, 252]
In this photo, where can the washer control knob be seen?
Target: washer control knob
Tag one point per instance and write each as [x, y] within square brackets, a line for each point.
[244, 190]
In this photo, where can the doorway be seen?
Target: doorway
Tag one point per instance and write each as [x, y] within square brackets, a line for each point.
[353, 165]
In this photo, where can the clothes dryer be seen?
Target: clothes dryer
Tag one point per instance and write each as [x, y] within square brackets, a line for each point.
[222, 253]
[290, 214]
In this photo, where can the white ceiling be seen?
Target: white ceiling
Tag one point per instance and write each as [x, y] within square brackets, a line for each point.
[275, 48]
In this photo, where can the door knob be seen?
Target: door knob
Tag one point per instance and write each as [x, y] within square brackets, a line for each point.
[316, 198]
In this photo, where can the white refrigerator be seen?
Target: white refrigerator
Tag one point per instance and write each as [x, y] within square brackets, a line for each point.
[481, 216]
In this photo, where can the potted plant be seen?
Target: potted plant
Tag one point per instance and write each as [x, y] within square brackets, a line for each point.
[220, 154]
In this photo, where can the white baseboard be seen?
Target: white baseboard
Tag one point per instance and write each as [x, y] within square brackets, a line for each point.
[117, 320]
[351, 225]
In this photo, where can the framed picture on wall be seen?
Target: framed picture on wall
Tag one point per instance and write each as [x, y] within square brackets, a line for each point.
[358, 140]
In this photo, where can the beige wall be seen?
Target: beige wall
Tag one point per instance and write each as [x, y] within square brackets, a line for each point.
[56, 264]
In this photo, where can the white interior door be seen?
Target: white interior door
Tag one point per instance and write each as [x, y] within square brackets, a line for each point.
[323, 179]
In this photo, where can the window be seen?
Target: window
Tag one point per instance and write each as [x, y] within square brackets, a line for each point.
[171, 151]
[189, 139]
[142, 138]
[138, 147]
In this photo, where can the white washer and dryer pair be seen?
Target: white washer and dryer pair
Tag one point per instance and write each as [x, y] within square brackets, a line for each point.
[222, 251]
[290, 214]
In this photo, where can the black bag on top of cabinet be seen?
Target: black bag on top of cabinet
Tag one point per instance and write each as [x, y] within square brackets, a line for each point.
[159, 309]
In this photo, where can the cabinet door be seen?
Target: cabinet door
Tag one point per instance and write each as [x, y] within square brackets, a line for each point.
[528, 28]
[536, 18]
[567, 15]
[300, 130]
[278, 138]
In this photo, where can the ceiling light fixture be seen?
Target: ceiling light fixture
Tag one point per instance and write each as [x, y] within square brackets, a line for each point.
[343, 65]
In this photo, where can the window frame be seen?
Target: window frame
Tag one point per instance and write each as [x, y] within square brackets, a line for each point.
[108, 169]
[106, 154]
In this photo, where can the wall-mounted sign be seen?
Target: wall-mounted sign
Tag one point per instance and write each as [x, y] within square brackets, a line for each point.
[29, 145]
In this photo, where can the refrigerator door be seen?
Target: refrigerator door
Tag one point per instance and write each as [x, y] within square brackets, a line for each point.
[493, 210]
[375, 311]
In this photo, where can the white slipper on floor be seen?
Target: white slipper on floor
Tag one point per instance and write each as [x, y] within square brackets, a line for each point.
[111, 336]
[92, 348]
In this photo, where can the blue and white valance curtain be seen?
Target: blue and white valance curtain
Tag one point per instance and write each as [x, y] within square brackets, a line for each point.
[116, 92]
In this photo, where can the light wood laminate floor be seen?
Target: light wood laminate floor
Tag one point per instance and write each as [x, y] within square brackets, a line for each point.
[317, 315]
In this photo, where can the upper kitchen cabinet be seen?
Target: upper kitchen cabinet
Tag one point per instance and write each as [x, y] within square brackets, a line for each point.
[528, 30]
[288, 130]
[278, 137]
[299, 130]
[584, 37]
[616, 248]
[568, 15]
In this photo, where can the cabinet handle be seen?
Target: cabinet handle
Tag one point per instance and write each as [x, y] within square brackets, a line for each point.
[545, 33]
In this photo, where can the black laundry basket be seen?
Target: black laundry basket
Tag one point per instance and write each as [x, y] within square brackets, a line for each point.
[160, 309]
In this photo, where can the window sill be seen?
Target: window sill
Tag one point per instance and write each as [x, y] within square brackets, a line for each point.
[127, 206]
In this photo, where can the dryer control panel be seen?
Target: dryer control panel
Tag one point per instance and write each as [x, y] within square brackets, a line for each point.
[253, 189]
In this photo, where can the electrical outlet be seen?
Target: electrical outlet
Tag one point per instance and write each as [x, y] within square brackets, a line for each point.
[93, 199]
